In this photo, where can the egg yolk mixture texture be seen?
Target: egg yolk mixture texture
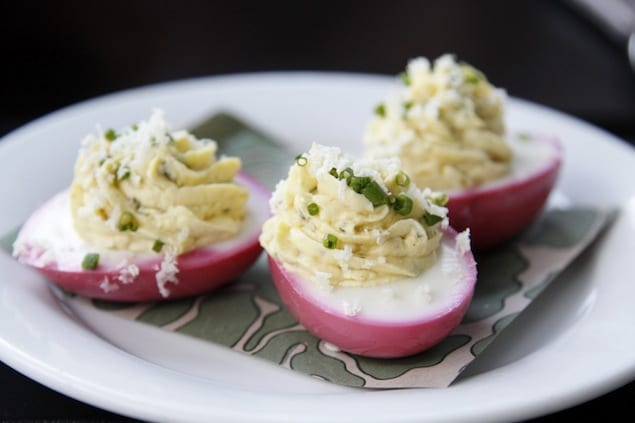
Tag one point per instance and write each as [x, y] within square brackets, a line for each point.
[145, 187]
[353, 223]
[446, 126]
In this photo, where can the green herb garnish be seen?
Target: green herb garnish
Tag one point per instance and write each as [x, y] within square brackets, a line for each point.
[471, 78]
[123, 173]
[402, 179]
[158, 246]
[403, 204]
[333, 172]
[375, 194]
[330, 241]
[441, 199]
[313, 209]
[405, 78]
[523, 136]
[358, 183]
[431, 219]
[90, 261]
[110, 135]
[301, 160]
[347, 174]
[127, 222]
[380, 110]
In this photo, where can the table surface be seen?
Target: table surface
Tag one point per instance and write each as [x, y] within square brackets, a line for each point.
[56, 54]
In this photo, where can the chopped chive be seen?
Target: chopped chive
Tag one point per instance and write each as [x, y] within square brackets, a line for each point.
[313, 209]
[347, 174]
[441, 199]
[301, 160]
[431, 219]
[90, 261]
[471, 74]
[330, 241]
[523, 136]
[127, 222]
[405, 78]
[406, 106]
[123, 173]
[403, 204]
[333, 172]
[110, 135]
[375, 194]
[471, 78]
[380, 110]
[358, 183]
[157, 246]
[134, 127]
[402, 179]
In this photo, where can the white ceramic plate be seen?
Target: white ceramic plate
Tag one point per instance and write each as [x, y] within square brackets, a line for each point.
[570, 345]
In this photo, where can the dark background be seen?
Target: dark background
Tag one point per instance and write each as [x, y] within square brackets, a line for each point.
[57, 53]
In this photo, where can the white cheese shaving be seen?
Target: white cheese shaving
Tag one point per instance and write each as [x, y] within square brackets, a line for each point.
[167, 273]
[463, 242]
[128, 274]
[108, 286]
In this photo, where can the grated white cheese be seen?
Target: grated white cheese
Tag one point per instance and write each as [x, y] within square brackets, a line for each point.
[167, 273]
[107, 286]
[128, 274]
[463, 242]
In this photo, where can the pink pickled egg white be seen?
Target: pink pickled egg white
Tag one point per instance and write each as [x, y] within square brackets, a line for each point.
[382, 330]
[498, 211]
[48, 243]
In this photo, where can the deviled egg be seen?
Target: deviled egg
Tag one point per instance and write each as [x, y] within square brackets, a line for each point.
[151, 214]
[447, 126]
[363, 258]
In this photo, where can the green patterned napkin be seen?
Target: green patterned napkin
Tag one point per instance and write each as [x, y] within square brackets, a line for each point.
[248, 315]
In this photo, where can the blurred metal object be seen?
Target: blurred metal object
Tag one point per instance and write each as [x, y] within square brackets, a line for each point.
[614, 17]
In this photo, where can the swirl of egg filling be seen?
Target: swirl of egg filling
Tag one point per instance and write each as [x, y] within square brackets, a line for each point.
[146, 187]
[352, 223]
[446, 126]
